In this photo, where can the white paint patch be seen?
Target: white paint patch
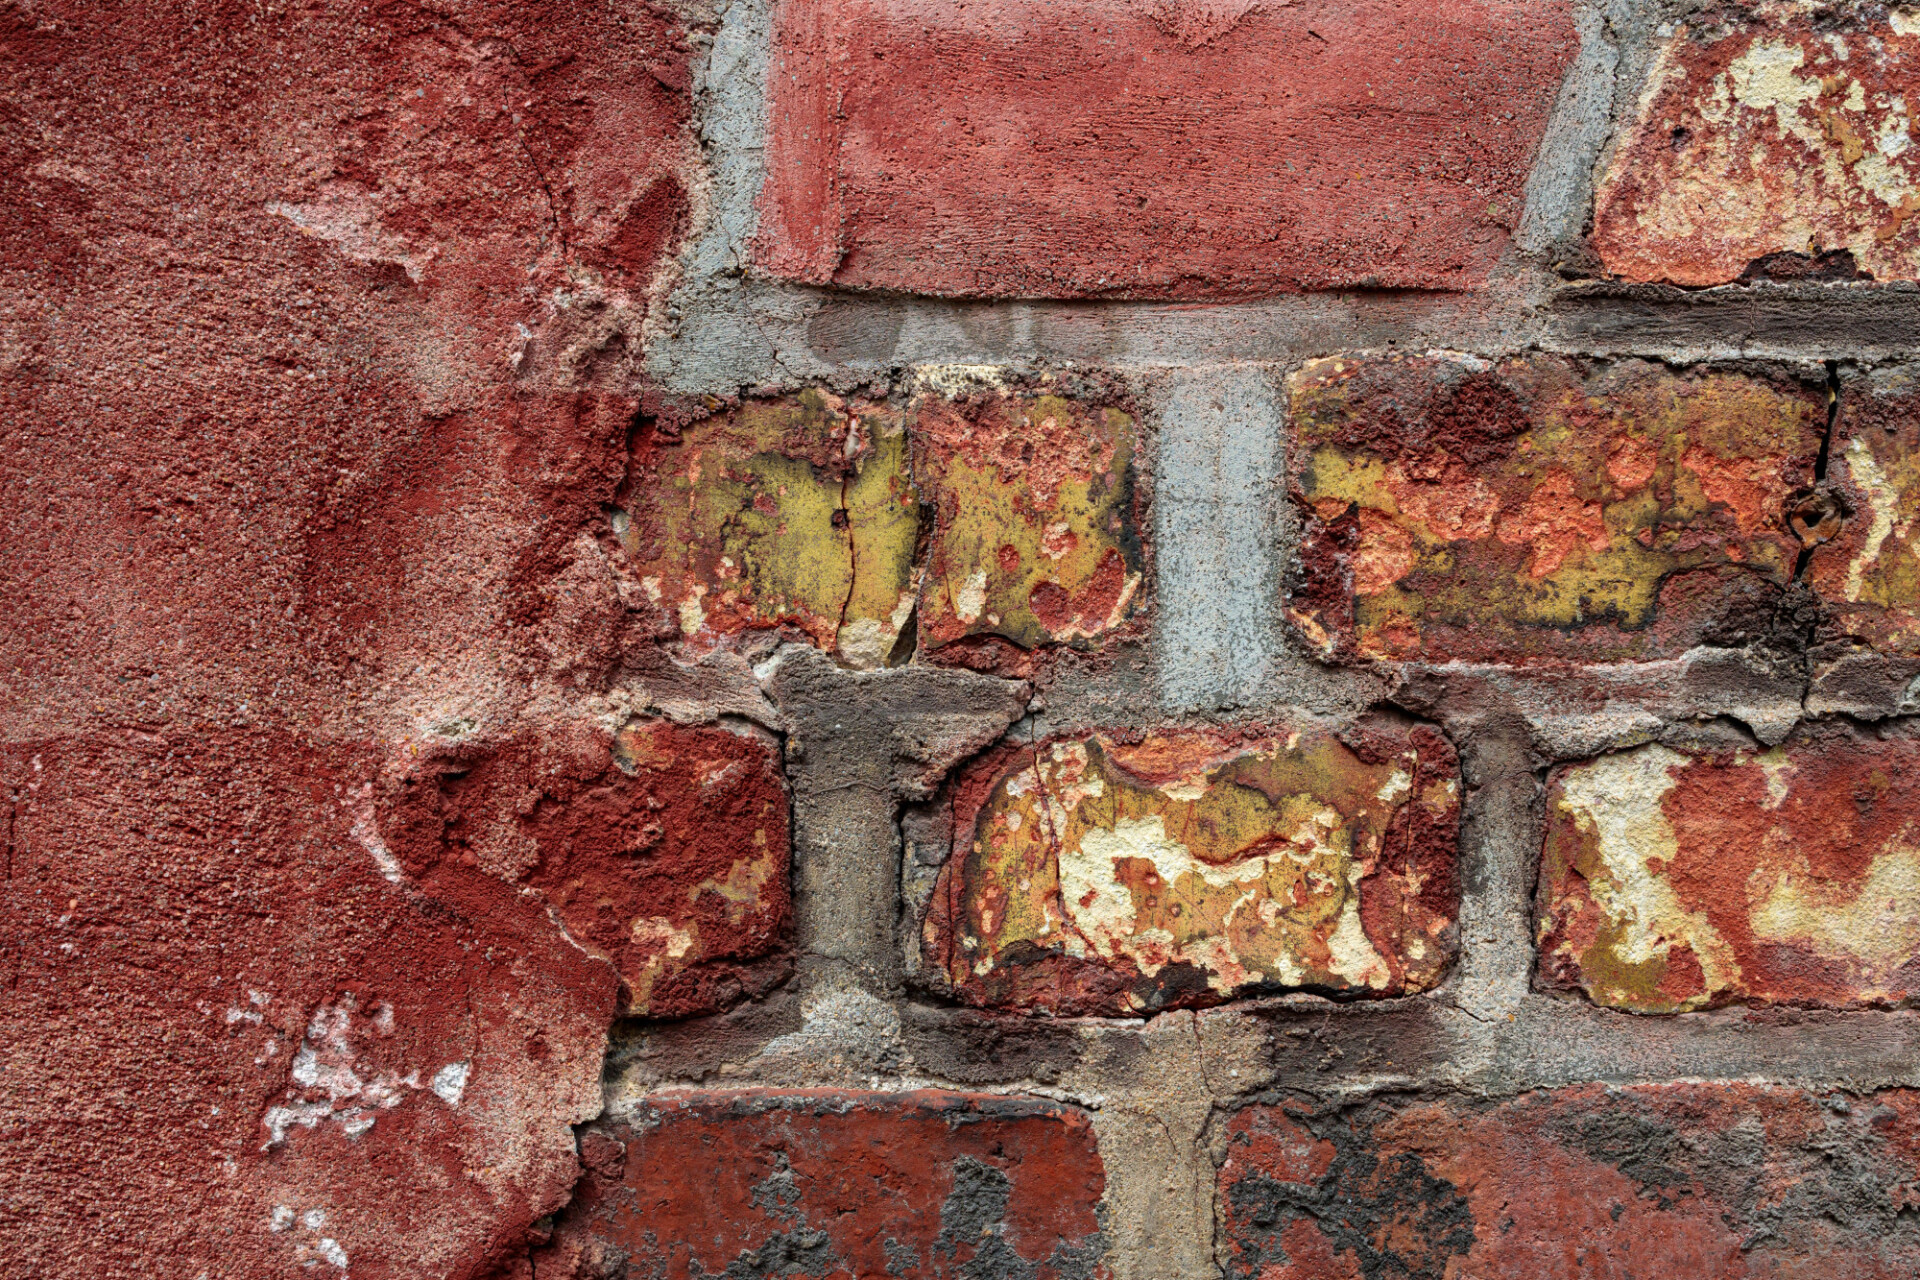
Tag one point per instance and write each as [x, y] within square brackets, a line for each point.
[1905, 22]
[450, 1082]
[1877, 925]
[958, 379]
[661, 934]
[1764, 79]
[1353, 955]
[693, 615]
[330, 1251]
[971, 601]
[328, 1081]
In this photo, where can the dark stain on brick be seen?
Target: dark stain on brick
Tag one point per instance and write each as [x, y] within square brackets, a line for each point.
[1386, 1209]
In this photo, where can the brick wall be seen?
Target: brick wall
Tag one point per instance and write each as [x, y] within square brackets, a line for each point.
[997, 639]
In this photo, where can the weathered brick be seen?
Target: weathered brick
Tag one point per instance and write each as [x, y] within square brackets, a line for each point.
[1015, 147]
[1108, 875]
[1727, 1181]
[794, 513]
[1035, 538]
[663, 848]
[1774, 138]
[1868, 575]
[836, 1183]
[1676, 880]
[1529, 511]
[240, 1041]
[996, 520]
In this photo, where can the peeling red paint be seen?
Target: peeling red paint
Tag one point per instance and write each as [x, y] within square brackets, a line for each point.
[1774, 133]
[1728, 1181]
[316, 371]
[1014, 148]
[1117, 875]
[1526, 512]
[1676, 880]
[834, 1183]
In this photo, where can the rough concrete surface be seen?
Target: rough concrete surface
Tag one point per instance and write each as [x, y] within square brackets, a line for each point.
[794, 638]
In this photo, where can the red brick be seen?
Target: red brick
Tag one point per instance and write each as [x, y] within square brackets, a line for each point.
[1115, 875]
[274, 433]
[1676, 880]
[1035, 537]
[1774, 137]
[796, 514]
[1725, 1181]
[1530, 512]
[985, 523]
[663, 848]
[836, 1183]
[1868, 575]
[227, 1037]
[1185, 149]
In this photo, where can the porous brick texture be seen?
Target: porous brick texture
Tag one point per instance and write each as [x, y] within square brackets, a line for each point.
[1004, 640]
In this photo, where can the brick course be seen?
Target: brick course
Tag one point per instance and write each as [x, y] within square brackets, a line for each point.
[1728, 1181]
[838, 1183]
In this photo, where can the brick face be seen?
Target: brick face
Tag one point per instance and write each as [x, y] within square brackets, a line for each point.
[1777, 133]
[1869, 574]
[974, 526]
[1045, 149]
[1676, 880]
[1701, 1180]
[797, 513]
[1112, 875]
[602, 604]
[1526, 511]
[767, 1182]
[1035, 537]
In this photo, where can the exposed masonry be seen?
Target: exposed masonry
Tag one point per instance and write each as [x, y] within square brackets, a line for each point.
[866, 752]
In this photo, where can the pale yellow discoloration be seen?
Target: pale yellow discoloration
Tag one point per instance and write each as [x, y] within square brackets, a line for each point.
[1237, 866]
[1874, 923]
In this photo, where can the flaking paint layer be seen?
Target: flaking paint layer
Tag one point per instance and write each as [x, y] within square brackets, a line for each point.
[664, 849]
[1675, 880]
[1034, 538]
[1528, 511]
[1098, 875]
[1789, 133]
[796, 513]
